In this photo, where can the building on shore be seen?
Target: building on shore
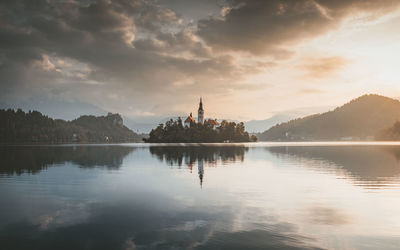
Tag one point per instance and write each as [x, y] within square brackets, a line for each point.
[189, 121]
[211, 122]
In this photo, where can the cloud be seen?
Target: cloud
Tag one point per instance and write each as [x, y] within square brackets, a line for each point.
[309, 91]
[270, 27]
[323, 67]
[130, 49]
[150, 55]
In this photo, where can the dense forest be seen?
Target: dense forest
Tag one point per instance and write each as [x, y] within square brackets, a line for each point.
[175, 131]
[389, 134]
[360, 119]
[34, 127]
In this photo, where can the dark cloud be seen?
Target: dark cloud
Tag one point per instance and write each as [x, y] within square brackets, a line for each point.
[128, 48]
[118, 53]
[136, 45]
[269, 27]
[193, 10]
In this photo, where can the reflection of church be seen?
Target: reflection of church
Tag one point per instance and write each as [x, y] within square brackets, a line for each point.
[200, 168]
[203, 157]
[200, 118]
[190, 163]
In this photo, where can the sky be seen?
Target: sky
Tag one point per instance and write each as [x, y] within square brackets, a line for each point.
[152, 59]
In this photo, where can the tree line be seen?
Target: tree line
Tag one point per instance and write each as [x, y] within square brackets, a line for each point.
[34, 127]
[389, 134]
[173, 131]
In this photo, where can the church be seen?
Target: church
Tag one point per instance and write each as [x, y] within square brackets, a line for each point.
[200, 118]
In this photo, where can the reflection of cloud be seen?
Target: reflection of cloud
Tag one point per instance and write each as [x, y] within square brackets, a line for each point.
[150, 225]
[129, 245]
[190, 225]
[257, 239]
[67, 215]
[327, 216]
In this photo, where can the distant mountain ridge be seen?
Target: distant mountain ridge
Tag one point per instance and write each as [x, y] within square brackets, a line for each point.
[359, 119]
[252, 126]
[257, 126]
[34, 127]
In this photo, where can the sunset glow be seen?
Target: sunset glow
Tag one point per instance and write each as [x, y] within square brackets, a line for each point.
[277, 57]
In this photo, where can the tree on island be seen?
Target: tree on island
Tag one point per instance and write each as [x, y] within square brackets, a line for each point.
[174, 131]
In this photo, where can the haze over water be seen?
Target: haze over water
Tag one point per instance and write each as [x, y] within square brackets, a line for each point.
[226, 196]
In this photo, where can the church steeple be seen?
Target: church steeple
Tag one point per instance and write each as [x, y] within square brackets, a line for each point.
[200, 116]
[201, 104]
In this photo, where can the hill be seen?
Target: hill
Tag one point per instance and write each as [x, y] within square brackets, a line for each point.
[257, 126]
[34, 127]
[359, 119]
[389, 134]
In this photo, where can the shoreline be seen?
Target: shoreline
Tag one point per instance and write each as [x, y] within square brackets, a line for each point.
[246, 144]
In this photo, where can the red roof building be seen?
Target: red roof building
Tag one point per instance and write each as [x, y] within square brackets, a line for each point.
[189, 120]
[212, 122]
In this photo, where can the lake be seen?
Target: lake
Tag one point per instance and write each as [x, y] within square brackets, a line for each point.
[212, 196]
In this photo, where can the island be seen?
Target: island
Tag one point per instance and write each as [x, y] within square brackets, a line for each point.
[202, 131]
[174, 131]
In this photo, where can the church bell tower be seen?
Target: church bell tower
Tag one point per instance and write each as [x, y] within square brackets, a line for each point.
[200, 116]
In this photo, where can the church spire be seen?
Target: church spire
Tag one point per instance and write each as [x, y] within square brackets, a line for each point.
[200, 116]
[201, 104]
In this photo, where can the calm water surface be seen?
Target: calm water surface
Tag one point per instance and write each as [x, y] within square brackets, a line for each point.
[254, 196]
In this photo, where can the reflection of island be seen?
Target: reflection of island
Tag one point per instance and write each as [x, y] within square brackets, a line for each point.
[208, 156]
[32, 159]
[368, 166]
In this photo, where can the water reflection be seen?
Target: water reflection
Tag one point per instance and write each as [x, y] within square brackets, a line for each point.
[31, 159]
[268, 197]
[368, 166]
[188, 156]
[146, 207]
[142, 226]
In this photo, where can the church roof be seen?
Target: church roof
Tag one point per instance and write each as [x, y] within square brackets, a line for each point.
[211, 122]
[189, 119]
